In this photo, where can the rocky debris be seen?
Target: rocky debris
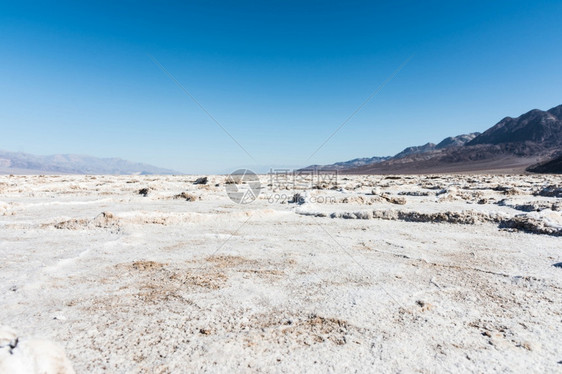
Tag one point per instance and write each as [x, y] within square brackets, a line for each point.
[353, 215]
[201, 180]
[532, 206]
[550, 191]
[526, 223]
[324, 329]
[144, 191]
[319, 186]
[511, 191]
[313, 214]
[4, 208]
[298, 199]
[23, 355]
[358, 200]
[523, 222]
[306, 330]
[558, 265]
[453, 194]
[394, 200]
[186, 196]
[413, 193]
[506, 190]
[143, 265]
[71, 224]
[433, 187]
[443, 191]
[104, 220]
[424, 305]
[464, 217]
[536, 206]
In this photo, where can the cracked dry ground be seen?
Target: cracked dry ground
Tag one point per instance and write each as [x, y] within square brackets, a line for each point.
[150, 283]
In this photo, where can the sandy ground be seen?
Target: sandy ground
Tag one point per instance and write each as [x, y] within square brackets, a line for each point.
[386, 274]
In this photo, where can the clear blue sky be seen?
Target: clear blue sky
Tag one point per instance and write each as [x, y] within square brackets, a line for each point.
[280, 76]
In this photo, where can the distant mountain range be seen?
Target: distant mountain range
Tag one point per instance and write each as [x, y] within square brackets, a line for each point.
[356, 162]
[531, 142]
[451, 141]
[24, 163]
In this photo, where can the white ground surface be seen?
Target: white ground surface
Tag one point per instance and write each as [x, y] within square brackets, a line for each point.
[158, 285]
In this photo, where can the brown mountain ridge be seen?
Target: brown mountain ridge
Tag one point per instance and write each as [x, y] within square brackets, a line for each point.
[531, 142]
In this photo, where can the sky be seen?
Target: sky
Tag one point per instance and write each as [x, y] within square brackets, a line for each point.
[212, 86]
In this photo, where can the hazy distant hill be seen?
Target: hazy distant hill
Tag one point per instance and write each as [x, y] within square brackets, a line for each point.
[24, 163]
[419, 149]
[349, 164]
[512, 145]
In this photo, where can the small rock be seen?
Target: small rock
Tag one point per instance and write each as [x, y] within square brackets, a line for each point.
[424, 305]
[144, 191]
[531, 346]
[202, 180]
[394, 200]
[186, 196]
[298, 199]
[550, 191]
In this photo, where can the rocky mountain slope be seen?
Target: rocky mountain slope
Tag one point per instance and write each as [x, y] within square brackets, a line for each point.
[356, 162]
[513, 145]
[456, 141]
[534, 126]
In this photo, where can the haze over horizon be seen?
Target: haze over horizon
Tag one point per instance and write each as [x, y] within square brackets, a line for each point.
[279, 77]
